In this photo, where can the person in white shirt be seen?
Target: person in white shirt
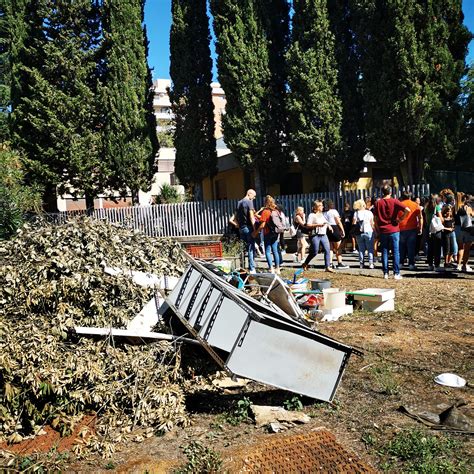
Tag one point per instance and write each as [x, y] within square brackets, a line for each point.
[319, 225]
[338, 232]
[363, 221]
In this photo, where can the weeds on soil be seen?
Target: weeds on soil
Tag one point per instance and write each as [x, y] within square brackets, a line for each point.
[201, 459]
[240, 413]
[385, 379]
[413, 451]
[293, 403]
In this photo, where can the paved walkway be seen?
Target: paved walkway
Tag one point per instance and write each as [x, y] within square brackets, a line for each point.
[352, 260]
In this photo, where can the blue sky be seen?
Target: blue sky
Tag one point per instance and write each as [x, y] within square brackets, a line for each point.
[158, 21]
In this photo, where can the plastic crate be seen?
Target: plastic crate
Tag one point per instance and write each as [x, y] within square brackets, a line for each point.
[205, 251]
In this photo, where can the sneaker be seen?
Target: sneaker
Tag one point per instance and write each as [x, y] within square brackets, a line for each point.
[459, 268]
[361, 265]
[412, 267]
[398, 277]
[371, 266]
[440, 269]
[355, 251]
[252, 272]
[466, 268]
[341, 265]
[283, 252]
[277, 270]
[430, 268]
[385, 276]
[329, 269]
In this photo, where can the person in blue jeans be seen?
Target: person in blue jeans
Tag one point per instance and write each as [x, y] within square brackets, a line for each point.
[363, 222]
[387, 218]
[319, 226]
[270, 236]
[246, 222]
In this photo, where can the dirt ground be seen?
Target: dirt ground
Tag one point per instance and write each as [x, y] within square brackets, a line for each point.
[430, 332]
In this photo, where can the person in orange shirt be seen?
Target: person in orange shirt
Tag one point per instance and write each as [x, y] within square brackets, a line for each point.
[410, 227]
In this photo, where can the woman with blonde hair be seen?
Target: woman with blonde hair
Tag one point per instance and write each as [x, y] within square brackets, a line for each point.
[320, 226]
[270, 236]
[363, 222]
[299, 222]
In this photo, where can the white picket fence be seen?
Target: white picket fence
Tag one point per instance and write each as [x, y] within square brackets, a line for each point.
[211, 218]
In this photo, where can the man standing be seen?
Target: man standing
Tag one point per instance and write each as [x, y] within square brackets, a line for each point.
[386, 211]
[246, 221]
[409, 229]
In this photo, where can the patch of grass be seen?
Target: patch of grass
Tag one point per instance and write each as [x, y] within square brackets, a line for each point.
[201, 459]
[385, 379]
[404, 311]
[110, 465]
[413, 451]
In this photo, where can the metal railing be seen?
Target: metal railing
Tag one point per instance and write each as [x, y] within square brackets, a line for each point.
[206, 218]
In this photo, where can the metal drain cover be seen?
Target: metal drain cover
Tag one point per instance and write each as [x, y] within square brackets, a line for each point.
[317, 451]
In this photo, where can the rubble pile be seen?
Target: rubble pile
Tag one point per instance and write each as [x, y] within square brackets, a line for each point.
[51, 279]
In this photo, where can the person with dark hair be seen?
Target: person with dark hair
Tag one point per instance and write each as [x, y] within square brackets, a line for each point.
[387, 218]
[338, 232]
[410, 227]
[464, 221]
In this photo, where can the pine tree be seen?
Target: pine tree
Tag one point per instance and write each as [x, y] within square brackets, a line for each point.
[191, 93]
[244, 73]
[129, 127]
[54, 113]
[314, 106]
[344, 20]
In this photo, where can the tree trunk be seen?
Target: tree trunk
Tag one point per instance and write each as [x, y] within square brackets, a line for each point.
[135, 197]
[50, 199]
[89, 203]
[198, 196]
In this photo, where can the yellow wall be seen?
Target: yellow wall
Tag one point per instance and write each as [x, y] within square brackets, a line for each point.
[234, 184]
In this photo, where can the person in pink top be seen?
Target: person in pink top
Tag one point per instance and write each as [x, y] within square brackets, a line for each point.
[387, 218]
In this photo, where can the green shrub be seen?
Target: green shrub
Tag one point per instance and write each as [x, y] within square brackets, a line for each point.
[16, 199]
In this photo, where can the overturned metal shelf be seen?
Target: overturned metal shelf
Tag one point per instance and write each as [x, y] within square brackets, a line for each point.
[259, 341]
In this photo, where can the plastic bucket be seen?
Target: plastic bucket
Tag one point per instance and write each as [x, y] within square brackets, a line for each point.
[333, 298]
[320, 284]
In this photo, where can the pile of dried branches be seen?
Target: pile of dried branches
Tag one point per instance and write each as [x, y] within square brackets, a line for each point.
[51, 279]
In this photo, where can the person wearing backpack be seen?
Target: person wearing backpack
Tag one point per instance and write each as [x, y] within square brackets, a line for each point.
[272, 225]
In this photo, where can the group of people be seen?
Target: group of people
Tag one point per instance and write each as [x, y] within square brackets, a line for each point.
[440, 226]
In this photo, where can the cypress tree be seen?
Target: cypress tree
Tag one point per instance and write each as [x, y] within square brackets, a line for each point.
[129, 127]
[314, 106]
[344, 20]
[244, 73]
[54, 115]
[464, 161]
[413, 63]
[4, 72]
[191, 93]
[275, 17]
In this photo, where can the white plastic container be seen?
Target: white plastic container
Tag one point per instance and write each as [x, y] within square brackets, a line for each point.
[334, 298]
[224, 265]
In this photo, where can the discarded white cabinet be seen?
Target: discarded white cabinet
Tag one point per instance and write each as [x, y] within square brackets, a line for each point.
[258, 340]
